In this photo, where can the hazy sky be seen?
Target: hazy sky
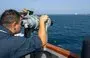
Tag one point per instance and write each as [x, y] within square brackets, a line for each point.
[48, 6]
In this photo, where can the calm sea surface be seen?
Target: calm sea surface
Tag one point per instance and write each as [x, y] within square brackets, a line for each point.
[68, 31]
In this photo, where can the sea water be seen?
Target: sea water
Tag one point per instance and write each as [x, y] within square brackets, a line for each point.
[69, 31]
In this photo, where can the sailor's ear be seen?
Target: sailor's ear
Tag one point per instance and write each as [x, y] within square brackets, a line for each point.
[14, 24]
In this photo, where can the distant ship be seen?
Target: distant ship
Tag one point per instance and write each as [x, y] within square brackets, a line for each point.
[76, 13]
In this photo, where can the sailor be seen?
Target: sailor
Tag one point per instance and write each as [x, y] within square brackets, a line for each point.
[15, 46]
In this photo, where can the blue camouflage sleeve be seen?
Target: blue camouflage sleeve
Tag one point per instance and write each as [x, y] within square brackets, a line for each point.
[28, 46]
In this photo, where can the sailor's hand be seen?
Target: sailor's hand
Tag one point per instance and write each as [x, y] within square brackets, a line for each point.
[43, 18]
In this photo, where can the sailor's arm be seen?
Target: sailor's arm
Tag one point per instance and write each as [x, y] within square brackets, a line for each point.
[42, 29]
